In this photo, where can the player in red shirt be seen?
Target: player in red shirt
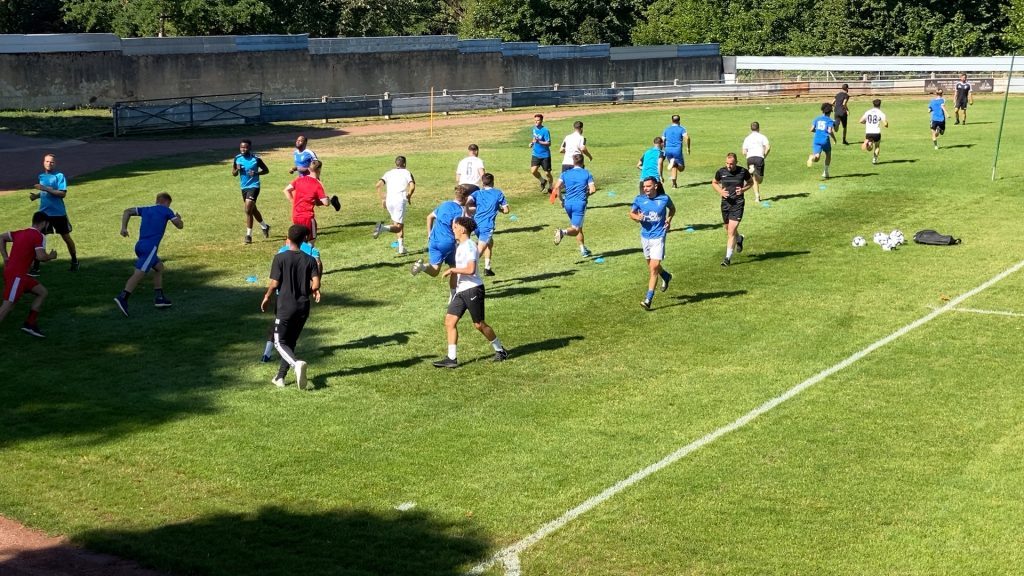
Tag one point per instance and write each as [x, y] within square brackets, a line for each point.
[306, 193]
[28, 245]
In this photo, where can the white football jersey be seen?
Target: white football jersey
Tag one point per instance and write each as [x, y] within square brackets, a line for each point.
[469, 170]
[573, 145]
[755, 144]
[873, 120]
[464, 255]
[396, 181]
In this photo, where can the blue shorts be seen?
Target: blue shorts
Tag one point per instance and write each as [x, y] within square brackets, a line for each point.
[441, 253]
[676, 155]
[484, 234]
[575, 211]
[819, 148]
[146, 257]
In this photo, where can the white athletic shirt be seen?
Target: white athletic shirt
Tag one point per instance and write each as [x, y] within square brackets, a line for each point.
[397, 182]
[873, 120]
[469, 170]
[755, 144]
[464, 254]
[573, 145]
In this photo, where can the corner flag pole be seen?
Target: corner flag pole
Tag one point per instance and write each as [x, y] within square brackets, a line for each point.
[1006, 96]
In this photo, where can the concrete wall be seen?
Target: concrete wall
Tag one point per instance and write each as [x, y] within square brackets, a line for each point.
[100, 78]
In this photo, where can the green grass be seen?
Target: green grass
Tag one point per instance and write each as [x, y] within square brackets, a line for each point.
[159, 436]
[63, 124]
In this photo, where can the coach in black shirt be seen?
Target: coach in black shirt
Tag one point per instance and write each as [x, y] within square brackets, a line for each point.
[841, 106]
[731, 182]
[296, 278]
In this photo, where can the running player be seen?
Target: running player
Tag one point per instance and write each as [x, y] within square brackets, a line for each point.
[249, 167]
[540, 147]
[873, 121]
[964, 96]
[395, 189]
[27, 246]
[469, 295]
[823, 129]
[652, 163]
[312, 252]
[52, 190]
[755, 149]
[470, 169]
[440, 238]
[303, 156]
[306, 193]
[151, 232]
[574, 144]
[295, 278]
[937, 109]
[841, 104]
[579, 186]
[731, 182]
[654, 210]
[675, 136]
[484, 205]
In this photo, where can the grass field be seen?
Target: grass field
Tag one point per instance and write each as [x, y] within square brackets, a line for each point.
[160, 437]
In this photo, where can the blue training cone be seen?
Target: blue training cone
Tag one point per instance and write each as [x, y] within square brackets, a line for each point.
[611, 194]
[689, 230]
[599, 260]
[513, 218]
[394, 244]
[766, 204]
[822, 187]
[252, 279]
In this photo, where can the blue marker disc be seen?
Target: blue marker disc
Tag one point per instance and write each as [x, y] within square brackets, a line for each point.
[822, 187]
[394, 244]
[766, 204]
[252, 279]
[513, 218]
[611, 194]
[689, 230]
[599, 260]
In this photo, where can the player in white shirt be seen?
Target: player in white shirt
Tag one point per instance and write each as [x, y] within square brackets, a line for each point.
[471, 169]
[395, 189]
[873, 121]
[755, 149]
[574, 144]
[469, 295]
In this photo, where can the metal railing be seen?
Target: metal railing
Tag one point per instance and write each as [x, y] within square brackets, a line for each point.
[187, 112]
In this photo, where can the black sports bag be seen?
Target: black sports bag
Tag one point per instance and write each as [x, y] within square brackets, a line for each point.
[933, 238]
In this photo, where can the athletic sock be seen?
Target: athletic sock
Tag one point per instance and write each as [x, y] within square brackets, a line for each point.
[664, 274]
[263, 225]
[650, 295]
[268, 348]
[728, 252]
[159, 292]
[497, 344]
[451, 351]
[401, 243]
[33, 315]
[124, 294]
[487, 263]
[248, 231]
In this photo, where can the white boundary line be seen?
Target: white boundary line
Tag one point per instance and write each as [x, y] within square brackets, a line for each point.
[992, 312]
[509, 556]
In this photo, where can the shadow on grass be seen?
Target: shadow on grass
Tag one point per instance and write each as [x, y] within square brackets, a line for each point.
[615, 205]
[320, 380]
[855, 175]
[369, 342]
[687, 299]
[769, 256]
[696, 184]
[543, 346]
[369, 266]
[958, 145]
[536, 228]
[518, 291]
[696, 228]
[537, 277]
[616, 253]
[782, 197]
[274, 541]
[901, 161]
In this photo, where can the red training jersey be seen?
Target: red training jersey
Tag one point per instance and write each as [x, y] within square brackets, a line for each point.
[23, 251]
[308, 193]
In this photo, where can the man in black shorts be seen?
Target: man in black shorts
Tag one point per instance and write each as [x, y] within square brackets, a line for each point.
[52, 189]
[731, 182]
[540, 148]
[964, 96]
[841, 106]
[249, 167]
[295, 277]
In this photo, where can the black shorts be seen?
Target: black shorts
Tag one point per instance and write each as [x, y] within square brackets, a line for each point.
[250, 194]
[961, 105]
[57, 225]
[732, 209]
[940, 127]
[873, 137]
[472, 300]
[758, 163]
[841, 120]
[544, 163]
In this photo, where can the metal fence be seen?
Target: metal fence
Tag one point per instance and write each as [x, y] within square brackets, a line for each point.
[187, 112]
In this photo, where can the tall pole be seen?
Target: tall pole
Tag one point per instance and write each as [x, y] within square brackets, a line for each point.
[1006, 96]
[431, 111]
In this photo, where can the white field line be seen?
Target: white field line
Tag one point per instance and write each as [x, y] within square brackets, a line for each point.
[990, 312]
[509, 556]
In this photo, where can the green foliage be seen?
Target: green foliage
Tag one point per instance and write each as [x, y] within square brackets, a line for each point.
[1013, 34]
[131, 18]
[554, 22]
[31, 17]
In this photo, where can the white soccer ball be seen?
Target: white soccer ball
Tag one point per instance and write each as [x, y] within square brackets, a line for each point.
[896, 238]
[881, 237]
[887, 246]
[858, 241]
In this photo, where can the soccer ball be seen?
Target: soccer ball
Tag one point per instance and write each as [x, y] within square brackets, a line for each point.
[858, 241]
[888, 246]
[896, 238]
[881, 238]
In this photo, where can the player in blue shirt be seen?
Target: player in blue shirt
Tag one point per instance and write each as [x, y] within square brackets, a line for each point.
[52, 189]
[484, 205]
[937, 108]
[652, 163]
[654, 210]
[578, 187]
[151, 232]
[823, 128]
[440, 238]
[675, 136]
[540, 147]
[249, 167]
[303, 156]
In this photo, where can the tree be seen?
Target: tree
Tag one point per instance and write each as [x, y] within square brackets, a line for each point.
[1013, 34]
[553, 21]
[32, 17]
[130, 18]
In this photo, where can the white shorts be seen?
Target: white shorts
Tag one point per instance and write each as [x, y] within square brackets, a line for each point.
[396, 208]
[654, 248]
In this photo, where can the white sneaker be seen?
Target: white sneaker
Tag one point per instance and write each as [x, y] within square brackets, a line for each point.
[300, 374]
[377, 230]
[558, 236]
[279, 382]
[417, 267]
[402, 251]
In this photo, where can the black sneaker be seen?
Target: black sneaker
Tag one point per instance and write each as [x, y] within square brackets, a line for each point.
[264, 359]
[543, 185]
[122, 304]
[335, 203]
[499, 356]
[161, 302]
[248, 240]
[446, 362]
[34, 271]
[488, 272]
[665, 281]
[645, 304]
[266, 231]
[74, 266]
[32, 329]
[739, 244]
[958, 121]
[726, 262]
